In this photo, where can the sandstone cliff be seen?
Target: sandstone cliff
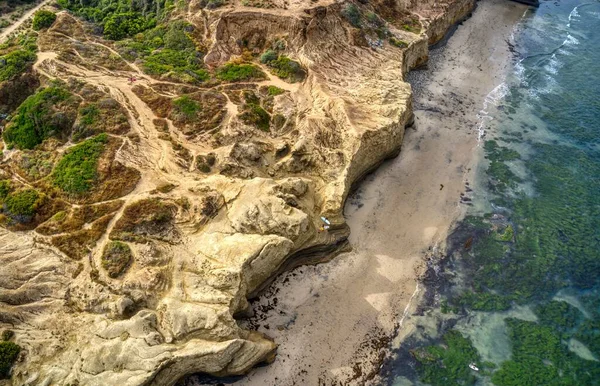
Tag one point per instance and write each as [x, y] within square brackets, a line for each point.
[202, 191]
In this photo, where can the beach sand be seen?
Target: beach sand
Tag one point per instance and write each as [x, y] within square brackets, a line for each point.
[333, 322]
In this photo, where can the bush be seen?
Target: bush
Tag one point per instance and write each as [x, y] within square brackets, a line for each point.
[89, 114]
[76, 172]
[352, 14]
[15, 63]
[268, 56]
[35, 121]
[116, 258]
[120, 25]
[274, 91]
[256, 116]
[8, 355]
[398, 43]
[286, 68]
[43, 19]
[5, 188]
[232, 72]
[187, 107]
[22, 203]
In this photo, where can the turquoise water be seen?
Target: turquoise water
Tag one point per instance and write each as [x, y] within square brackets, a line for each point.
[518, 295]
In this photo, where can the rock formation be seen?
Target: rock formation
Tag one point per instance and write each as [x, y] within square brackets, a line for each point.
[200, 192]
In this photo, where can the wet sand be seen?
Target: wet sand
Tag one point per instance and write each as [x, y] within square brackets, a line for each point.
[333, 322]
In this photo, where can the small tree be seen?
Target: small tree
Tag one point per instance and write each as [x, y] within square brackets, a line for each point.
[43, 19]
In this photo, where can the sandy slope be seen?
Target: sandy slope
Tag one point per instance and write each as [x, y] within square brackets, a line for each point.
[330, 317]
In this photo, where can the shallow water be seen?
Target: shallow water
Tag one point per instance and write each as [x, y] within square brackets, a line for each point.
[518, 294]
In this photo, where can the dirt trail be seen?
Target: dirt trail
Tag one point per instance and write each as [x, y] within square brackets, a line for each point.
[12, 28]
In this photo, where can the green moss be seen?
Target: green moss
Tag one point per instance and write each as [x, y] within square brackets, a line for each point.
[22, 204]
[448, 364]
[233, 72]
[483, 301]
[8, 355]
[43, 19]
[35, 120]
[116, 258]
[76, 172]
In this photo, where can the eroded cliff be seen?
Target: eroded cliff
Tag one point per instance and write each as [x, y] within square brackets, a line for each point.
[151, 184]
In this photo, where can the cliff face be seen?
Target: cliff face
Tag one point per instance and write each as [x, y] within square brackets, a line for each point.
[208, 208]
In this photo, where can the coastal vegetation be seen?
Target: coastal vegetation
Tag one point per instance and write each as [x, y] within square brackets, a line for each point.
[9, 352]
[17, 55]
[116, 258]
[38, 119]
[43, 19]
[283, 67]
[76, 172]
[238, 72]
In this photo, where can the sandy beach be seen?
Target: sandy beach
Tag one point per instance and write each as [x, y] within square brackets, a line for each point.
[333, 322]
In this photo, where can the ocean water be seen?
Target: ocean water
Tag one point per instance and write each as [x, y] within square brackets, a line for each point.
[517, 295]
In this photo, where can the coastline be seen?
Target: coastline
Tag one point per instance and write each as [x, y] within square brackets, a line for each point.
[332, 321]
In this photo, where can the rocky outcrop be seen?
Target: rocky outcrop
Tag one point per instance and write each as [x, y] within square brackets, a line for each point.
[222, 205]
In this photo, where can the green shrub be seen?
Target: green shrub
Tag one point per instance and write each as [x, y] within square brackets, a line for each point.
[116, 258]
[179, 62]
[268, 56]
[398, 43]
[352, 14]
[35, 121]
[232, 72]
[43, 19]
[256, 116]
[22, 203]
[76, 172]
[187, 107]
[8, 355]
[286, 68]
[274, 91]
[89, 114]
[5, 188]
[120, 25]
[15, 63]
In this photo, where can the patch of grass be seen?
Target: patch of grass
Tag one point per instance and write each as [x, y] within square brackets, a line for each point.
[35, 120]
[43, 19]
[76, 172]
[238, 72]
[9, 352]
[116, 258]
[150, 217]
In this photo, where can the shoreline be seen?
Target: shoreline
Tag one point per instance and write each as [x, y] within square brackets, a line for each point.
[331, 320]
